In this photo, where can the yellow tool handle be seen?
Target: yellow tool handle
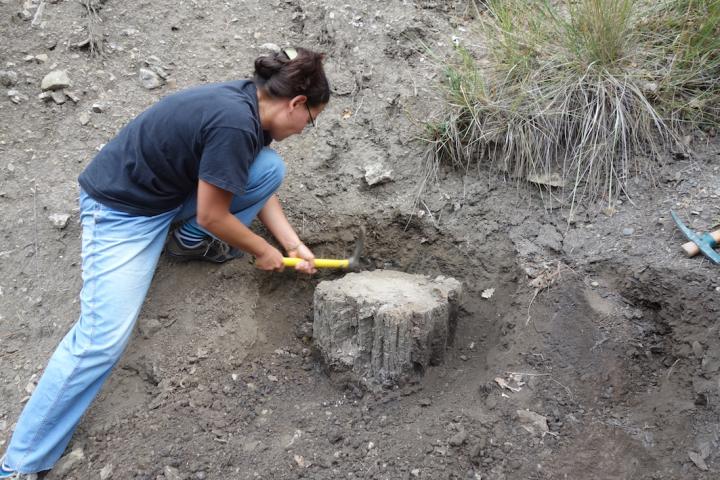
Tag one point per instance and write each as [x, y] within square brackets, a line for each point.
[319, 262]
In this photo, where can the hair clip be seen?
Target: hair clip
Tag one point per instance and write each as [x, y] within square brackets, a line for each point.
[290, 53]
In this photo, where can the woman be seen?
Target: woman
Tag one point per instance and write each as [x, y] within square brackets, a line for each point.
[199, 157]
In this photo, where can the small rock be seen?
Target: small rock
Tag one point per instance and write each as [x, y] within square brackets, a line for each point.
[149, 79]
[150, 327]
[41, 58]
[594, 284]
[30, 387]
[45, 96]
[628, 231]
[376, 174]
[270, 46]
[55, 80]
[609, 211]
[533, 422]
[58, 96]
[25, 15]
[335, 436]
[72, 96]
[698, 460]
[68, 462]
[59, 220]
[459, 438]
[84, 118]
[106, 471]
[548, 179]
[697, 349]
[172, 473]
[272, 378]
[98, 108]
[415, 472]
[701, 400]
[425, 402]
[8, 78]
[300, 461]
[17, 97]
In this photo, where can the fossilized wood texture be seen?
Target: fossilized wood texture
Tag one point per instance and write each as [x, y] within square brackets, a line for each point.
[385, 325]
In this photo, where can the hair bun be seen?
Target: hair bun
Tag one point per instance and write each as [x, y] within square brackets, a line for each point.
[303, 74]
[267, 66]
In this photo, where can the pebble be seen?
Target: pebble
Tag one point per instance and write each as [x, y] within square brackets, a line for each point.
[68, 462]
[98, 108]
[55, 80]
[8, 78]
[84, 118]
[17, 97]
[149, 79]
[58, 96]
[697, 349]
[628, 231]
[106, 471]
[459, 438]
[72, 96]
[594, 284]
[270, 46]
[172, 473]
[150, 327]
[59, 220]
[376, 174]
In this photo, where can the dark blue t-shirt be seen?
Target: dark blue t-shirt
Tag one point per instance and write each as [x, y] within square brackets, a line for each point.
[211, 132]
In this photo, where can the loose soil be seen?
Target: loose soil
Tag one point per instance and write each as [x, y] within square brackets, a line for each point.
[596, 322]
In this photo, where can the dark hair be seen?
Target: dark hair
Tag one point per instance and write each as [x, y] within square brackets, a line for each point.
[280, 76]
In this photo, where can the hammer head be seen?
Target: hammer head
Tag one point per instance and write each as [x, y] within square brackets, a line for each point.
[354, 260]
[705, 242]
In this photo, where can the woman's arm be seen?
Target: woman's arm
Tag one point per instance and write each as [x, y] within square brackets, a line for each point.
[273, 217]
[213, 214]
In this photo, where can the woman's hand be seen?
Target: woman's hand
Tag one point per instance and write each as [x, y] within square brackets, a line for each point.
[301, 251]
[271, 259]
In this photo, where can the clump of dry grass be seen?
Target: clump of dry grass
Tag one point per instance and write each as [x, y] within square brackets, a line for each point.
[587, 92]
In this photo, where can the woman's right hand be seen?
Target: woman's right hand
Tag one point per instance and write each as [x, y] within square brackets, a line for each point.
[270, 260]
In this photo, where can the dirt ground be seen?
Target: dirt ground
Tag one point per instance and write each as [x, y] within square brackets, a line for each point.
[597, 322]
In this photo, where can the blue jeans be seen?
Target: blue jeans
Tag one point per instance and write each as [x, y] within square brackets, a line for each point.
[119, 255]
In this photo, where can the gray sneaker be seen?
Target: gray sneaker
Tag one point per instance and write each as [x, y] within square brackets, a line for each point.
[210, 250]
[6, 472]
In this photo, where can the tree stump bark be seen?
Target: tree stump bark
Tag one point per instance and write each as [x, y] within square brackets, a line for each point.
[385, 326]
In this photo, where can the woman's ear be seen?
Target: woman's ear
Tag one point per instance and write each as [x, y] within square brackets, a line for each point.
[298, 101]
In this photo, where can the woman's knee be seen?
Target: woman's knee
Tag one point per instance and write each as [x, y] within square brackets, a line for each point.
[272, 166]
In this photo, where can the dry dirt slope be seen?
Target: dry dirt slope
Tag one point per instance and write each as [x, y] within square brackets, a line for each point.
[619, 354]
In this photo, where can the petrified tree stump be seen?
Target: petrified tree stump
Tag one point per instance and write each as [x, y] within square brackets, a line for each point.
[385, 326]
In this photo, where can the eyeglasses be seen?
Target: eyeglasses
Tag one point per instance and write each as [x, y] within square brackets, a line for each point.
[312, 120]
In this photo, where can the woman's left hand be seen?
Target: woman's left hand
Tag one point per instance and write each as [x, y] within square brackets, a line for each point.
[301, 251]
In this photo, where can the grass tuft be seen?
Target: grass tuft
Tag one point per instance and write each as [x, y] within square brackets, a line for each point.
[588, 91]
